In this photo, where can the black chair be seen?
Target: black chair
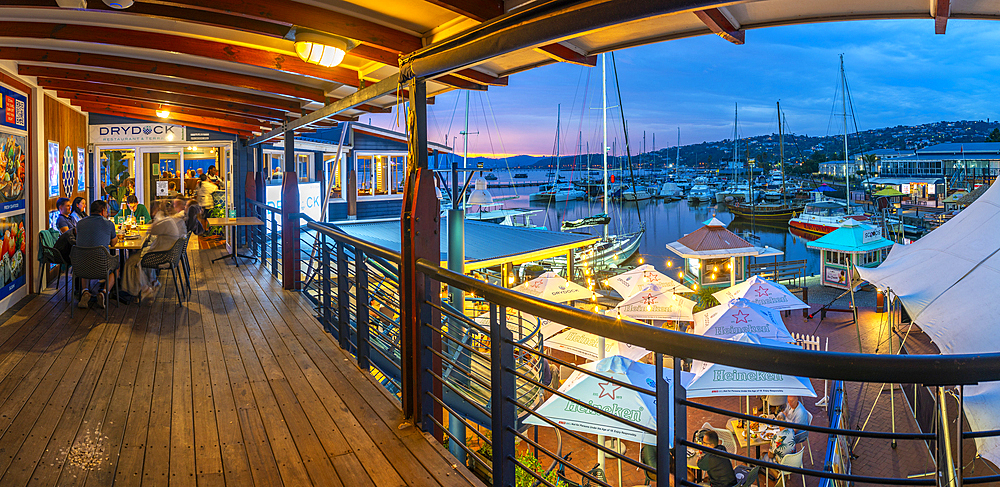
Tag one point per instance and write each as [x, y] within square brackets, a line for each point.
[48, 256]
[94, 263]
[750, 478]
[167, 260]
[186, 262]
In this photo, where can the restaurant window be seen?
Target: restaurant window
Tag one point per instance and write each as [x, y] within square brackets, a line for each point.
[715, 271]
[364, 169]
[382, 182]
[274, 166]
[304, 167]
[398, 165]
[333, 168]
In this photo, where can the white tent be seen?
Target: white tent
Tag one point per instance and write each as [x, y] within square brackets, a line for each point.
[740, 316]
[615, 399]
[583, 344]
[947, 281]
[763, 292]
[654, 303]
[723, 380]
[553, 287]
[631, 282]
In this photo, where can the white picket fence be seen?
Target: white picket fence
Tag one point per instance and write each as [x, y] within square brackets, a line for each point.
[812, 342]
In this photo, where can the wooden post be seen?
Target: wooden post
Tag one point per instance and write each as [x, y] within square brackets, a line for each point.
[290, 257]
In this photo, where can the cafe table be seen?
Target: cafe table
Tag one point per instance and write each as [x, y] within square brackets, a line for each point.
[756, 439]
[129, 241]
[234, 223]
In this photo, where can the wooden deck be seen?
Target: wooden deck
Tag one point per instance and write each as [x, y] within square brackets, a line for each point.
[241, 387]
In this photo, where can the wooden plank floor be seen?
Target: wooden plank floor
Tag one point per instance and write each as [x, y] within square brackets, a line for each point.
[240, 386]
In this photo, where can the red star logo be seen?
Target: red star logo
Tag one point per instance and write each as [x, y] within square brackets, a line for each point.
[651, 276]
[536, 285]
[649, 299]
[762, 292]
[607, 389]
[741, 316]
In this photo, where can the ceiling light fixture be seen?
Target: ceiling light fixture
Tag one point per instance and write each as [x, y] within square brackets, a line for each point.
[118, 4]
[321, 49]
[162, 113]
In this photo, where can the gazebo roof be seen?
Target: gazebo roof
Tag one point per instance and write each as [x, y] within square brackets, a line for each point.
[714, 240]
[853, 237]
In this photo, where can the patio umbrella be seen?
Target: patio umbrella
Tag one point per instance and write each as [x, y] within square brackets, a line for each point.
[631, 282]
[616, 400]
[655, 303]
[763, 292]
[823, 188]
[583, 344]
[723, 380]
[890, 192]
[553, 287]
[522, 324]
[740, 316]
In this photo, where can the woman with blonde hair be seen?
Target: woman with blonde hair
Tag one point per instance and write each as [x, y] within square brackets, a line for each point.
[166, 229]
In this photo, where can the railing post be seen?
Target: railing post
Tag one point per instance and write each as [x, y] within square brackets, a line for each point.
[274, 245]
[343, 298]
[664, 403]
[325, 262]
[502, 398]
[425, 339]
[361, 306]
[291, 259]
[680, 426]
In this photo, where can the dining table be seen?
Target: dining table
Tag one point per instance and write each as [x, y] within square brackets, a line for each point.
[756, 438]
[129, 240]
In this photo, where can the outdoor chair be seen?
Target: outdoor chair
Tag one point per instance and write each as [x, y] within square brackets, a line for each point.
[186, 262]
[803, 437]
[792, 460]
[47, 255]
[167, 260]
[726, 437]
[94, 263]
[750, 478]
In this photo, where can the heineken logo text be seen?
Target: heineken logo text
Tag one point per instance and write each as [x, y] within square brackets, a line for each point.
[745, 376]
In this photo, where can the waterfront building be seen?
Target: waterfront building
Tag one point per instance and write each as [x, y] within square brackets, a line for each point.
[715, 256]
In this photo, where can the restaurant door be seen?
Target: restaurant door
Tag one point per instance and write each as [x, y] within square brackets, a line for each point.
[161, 174]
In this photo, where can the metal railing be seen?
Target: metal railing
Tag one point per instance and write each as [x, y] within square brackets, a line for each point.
[476, 386]
[265, 240]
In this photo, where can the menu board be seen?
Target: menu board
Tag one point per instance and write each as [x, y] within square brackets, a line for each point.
[13, 153]
[14, 109]
[13, 248]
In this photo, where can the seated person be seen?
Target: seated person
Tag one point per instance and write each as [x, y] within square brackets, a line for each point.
[163, 233]
[65, 221]
[134, 208]
[97, 231]
[782, 444]
[192, 212]
[718, 469]
[79, 210]
[172, 189]
[795, 412]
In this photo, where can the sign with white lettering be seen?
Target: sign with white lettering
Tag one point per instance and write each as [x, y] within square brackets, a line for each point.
[310, 198]
[137, 132]
[13, 109]
[871, 235]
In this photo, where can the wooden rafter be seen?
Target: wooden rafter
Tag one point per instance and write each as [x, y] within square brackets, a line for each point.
[460, 83]
[161, 85]
[130, 103]
[723, 24]
[161, 97]
[481, 10]
[480, 77]
[941, 10]
[163, 69]
[177, 117]
[175, 43]
[564, 54]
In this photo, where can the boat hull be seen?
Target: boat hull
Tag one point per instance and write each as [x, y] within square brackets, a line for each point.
[776, 213]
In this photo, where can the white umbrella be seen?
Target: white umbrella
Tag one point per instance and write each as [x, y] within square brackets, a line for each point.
[553, 287]
[616, 400]
[583, 344]
[763, 292]
[655, 303]
[723, 380]
[631, 282]
[740, 316]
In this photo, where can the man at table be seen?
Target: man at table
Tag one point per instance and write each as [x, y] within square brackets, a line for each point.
[136, 209]
[65, 221]
[719, 469]
[794, 412]
[97, 231]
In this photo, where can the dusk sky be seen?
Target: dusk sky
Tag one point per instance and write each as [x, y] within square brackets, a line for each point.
[898, 72]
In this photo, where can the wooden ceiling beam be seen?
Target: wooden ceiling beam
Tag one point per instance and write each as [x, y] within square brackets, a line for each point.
[940, 10]
[130, 103]
[460, 83]
[220, 51]
[720, 21]
[161, 97]
[163, 69]
[480, 77]
[160, 85]
[564, 54]
[154, 119]
[177, 117]
[480, 10]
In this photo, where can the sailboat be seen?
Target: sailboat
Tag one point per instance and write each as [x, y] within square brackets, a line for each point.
[559, 190]
[769, 212]
[736, 190]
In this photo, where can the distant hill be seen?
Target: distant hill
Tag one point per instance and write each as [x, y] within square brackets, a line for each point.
[765, 148]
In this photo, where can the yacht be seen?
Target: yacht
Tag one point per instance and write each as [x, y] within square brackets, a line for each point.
[701, 192]
[823, 217]
[557, 192]
[670, 191]
[627, 192]
[737, 191]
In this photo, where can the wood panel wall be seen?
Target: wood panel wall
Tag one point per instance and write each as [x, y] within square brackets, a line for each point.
[69, 128]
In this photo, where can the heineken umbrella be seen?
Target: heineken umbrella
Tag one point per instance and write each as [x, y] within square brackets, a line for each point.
[655, 303]
[522, 324]
[553, 287]
[631, 282]
[614, 399]
[583, 344]
[763, 292]
[723, 380]
[740, 316]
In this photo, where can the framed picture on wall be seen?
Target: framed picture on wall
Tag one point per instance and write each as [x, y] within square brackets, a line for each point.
[81, 169]
[12, 161]
[53, 169]
[69, 171]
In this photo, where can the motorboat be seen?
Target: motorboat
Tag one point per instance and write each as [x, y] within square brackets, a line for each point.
[628, 192]
[823, 217]
[557, 192]
[670, 191]
[736, 191]
[701, 192]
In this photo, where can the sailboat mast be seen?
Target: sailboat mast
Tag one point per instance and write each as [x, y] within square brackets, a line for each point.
[558, 129]
[781, 150]
[736, 133]
[604, 146]
[465, 137]
[847, 172]
[677, 164]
